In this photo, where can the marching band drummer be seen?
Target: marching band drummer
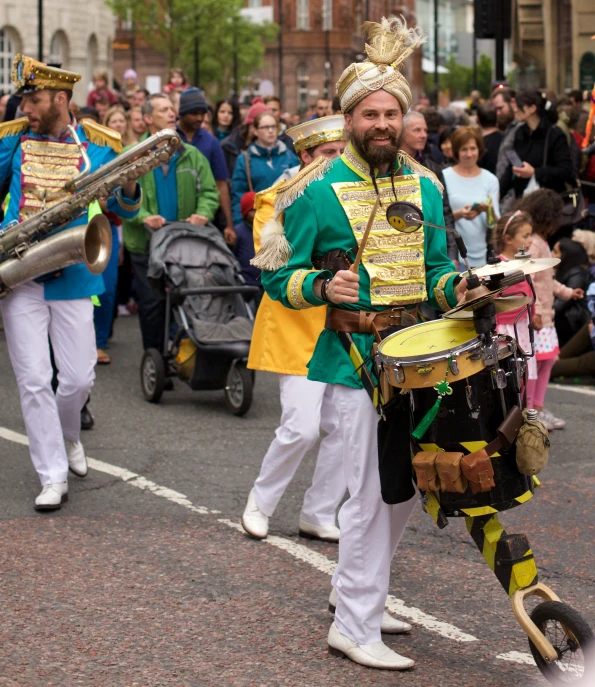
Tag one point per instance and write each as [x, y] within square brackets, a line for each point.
[38, 155]
[397, 272]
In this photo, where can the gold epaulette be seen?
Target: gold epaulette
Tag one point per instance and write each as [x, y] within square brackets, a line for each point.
[289, 190]
[101, 135]
[418, 168]
[13, 128]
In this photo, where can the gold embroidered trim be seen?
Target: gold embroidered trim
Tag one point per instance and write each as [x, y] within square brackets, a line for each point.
[400, 290]
[13, 128]
[290, 190]
[101, 135]
[400, 272]
[439, 294]
[371, 195]
[129, 207]
[53, 148]
[398, 256]
[317, 139]
[294, 290]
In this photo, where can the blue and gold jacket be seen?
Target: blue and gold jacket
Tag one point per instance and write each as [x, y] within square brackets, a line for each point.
[37, 167]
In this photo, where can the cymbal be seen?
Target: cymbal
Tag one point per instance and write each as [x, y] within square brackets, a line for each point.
[526, 265]
[471, 301]
[504, 304]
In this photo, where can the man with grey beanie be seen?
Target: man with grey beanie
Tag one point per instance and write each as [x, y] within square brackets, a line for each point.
[191, 113]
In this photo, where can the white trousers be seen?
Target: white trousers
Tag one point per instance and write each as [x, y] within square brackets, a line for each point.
[305, 409]
[49, 419]
[370, 529]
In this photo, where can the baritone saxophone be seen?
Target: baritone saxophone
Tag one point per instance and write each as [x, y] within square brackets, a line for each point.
[37, 246]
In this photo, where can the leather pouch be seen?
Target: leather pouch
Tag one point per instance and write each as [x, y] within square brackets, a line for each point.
[424, 465]
[478, 469]
[448, 466]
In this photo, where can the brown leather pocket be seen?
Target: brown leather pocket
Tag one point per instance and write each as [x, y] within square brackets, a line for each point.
[477, 468]
[448, 466]
[424, 465]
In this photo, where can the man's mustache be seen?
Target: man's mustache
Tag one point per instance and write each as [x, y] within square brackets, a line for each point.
[376, 132]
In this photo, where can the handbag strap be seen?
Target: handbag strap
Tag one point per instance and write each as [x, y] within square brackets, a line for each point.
[247, 158]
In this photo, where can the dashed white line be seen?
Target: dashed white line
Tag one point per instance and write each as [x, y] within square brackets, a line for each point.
[298, 551]
[575, 389]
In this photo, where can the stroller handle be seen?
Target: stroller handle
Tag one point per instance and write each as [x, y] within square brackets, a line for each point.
[218, 290]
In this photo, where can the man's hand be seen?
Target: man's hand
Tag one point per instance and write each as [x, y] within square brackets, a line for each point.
[524, 172]
[197, 219]
[460, 290]
[537, 322]
[155, 222]
[343, 288]
[577, 294]
[130, 189]
[230, 236]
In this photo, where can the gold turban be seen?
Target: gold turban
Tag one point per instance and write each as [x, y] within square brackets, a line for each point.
[389, 44]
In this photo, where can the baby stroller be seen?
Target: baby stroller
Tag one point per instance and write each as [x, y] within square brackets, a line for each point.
[208, 340]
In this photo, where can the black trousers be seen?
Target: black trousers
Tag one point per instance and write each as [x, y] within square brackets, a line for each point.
[151, 305]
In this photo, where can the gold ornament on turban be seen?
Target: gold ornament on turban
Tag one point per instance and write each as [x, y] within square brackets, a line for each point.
[389, 44]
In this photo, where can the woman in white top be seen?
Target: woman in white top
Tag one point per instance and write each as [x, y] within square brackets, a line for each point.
[473, 193]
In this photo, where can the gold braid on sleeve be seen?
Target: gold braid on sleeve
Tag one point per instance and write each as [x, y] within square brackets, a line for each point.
[439, 294]
[294, 290]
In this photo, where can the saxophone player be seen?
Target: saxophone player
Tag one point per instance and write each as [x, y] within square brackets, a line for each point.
[38, 155]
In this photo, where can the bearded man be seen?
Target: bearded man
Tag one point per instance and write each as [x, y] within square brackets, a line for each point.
[328, 217]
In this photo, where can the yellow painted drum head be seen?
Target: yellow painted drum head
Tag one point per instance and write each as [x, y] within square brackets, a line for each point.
[429, 340]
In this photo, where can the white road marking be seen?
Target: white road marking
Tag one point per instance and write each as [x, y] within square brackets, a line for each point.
[575, 389]
[299, 551]
[517, 657]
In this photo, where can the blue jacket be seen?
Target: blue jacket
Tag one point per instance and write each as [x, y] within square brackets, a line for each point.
[75, 281]
[266, 166]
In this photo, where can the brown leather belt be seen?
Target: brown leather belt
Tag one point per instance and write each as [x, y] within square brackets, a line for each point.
[366, 322]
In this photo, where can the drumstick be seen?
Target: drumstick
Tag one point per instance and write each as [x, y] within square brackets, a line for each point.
[362, 245]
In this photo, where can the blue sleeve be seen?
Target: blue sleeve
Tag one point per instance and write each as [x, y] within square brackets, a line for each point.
[8, 147]
[217, 161]
[239, 186]
[118, 203]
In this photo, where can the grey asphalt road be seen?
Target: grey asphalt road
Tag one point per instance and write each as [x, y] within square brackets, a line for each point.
[131, 584]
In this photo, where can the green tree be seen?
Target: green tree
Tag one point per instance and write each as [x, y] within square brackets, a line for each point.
[171, 27]
[459, 80]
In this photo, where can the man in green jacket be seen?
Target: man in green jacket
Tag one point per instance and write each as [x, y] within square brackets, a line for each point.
[183, 190]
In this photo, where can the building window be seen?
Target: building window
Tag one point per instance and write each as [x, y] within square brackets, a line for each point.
[9, 47]
[327, 15]
[59, 50]
[254, 3]
[302, 15]
[302, 79]
[92, 55]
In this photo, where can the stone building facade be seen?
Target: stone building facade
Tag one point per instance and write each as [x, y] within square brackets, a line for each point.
[79, 35]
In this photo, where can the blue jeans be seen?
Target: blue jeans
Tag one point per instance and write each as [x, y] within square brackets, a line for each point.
[104, 315]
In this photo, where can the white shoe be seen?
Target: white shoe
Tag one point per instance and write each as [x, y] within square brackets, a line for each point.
[77, 460]
[390, 625]
[123, 311]
[556, 422]
[545, 420]
[376, 655]
[328, 533]
[254, 521]
[52, 496]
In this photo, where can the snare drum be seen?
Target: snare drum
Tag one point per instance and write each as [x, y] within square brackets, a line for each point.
[425, 354]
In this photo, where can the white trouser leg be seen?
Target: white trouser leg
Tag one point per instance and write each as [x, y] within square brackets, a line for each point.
[72, 334]
[27, 318]
[370, 529]
[301, 401]
[328, 482]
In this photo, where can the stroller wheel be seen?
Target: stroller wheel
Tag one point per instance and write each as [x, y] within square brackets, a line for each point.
[238, 389]
[152, 375]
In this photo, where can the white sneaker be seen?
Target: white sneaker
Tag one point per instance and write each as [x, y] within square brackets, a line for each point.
[328, 533]
[52, 496]
[77, 460]
[390, 625]
[545, 420]
[123, 311]
[376, 655]
[254, 521]
[556, 422]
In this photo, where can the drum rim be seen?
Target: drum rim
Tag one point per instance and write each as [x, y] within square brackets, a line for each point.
[430, 357]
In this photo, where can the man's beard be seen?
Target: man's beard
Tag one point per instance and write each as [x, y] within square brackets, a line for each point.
[505, 119]
[377, 155]
[47, 120]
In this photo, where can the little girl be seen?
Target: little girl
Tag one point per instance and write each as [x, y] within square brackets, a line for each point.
[545, 208]
[513, 231]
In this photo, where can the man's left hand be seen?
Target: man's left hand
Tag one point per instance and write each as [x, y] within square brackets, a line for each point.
[460, 290]
[197, 219]
[129, 190]
[230, 236]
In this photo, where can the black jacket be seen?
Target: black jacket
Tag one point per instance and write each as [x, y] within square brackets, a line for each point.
[232, 146]
[530, 146]
[571, 315]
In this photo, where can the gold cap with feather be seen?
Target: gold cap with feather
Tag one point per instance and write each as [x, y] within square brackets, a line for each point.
[389, 44]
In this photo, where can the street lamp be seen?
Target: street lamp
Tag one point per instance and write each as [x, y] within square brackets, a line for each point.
[40, 30]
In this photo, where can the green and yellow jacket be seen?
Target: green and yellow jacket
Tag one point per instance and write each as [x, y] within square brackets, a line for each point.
[329, 211]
